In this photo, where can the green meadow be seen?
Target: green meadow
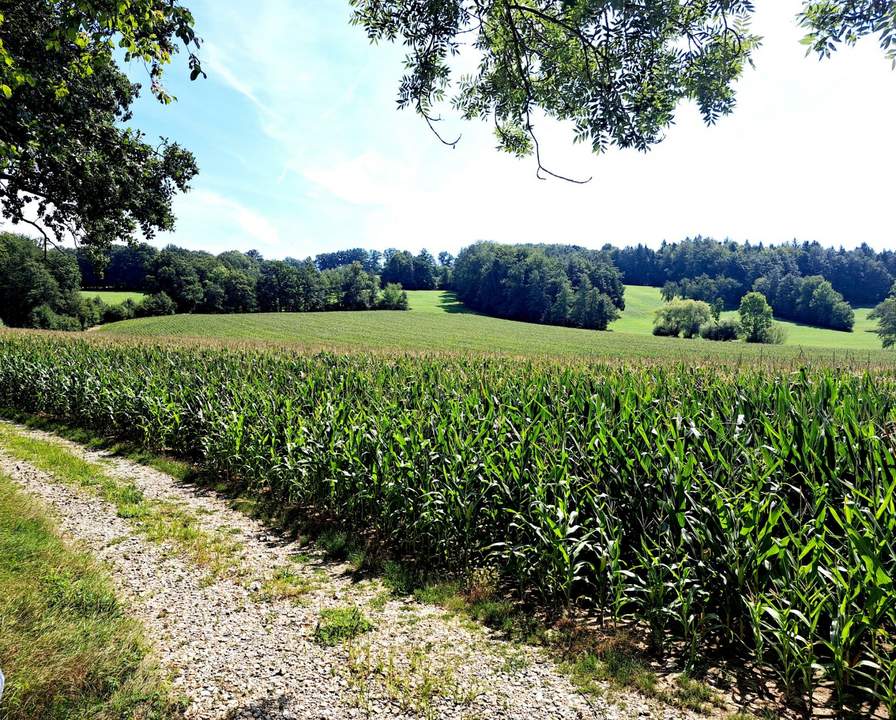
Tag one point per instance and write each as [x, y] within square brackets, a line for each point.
[437, 322]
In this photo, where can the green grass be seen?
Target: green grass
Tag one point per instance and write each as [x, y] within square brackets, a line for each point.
[339, 624]
[437, 322]
[111, 297]
[67, 647]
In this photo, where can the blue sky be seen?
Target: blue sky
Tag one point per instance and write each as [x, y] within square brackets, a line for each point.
[302, 150]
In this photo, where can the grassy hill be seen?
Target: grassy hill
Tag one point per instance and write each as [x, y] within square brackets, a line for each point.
[437, 322]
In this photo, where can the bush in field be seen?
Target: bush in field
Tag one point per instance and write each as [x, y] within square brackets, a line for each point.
[681, 317]
[119, 312]
[158, 304]
[723, 330]
[393, 298]
[44, 317]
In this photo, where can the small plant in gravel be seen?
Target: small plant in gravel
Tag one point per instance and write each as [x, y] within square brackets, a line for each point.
[591, 671]
[416, 680]
[691, 694]
[335, 544]
[339, 624]
[287, 584]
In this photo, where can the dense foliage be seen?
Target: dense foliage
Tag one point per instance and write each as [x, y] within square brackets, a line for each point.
[37, 290]
[412, 272]
[69, 164]
[729, 270]
[752, 511]
[811, 300]
[682, 317]
[371, 260]
[235, 282]
[553, 284]
[803, 282]
[756, 319]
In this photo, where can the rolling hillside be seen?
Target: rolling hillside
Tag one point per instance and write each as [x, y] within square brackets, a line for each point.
[437, 322]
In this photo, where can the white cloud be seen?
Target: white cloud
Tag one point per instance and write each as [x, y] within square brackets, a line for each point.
[210, 221]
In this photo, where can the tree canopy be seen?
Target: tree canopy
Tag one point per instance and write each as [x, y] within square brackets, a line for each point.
[616, 69]
[69, 165]
[552, 284]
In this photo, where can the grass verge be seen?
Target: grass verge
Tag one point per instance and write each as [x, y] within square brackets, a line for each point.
[159, 521]
[66, 646]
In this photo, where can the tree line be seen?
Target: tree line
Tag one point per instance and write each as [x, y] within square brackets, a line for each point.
[804, 282]
[41, 287]
[553, 284]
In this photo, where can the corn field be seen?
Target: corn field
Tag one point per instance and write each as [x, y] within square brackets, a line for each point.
[750, 510]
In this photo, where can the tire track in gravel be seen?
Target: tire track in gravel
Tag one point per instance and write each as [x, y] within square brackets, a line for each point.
[236, 655]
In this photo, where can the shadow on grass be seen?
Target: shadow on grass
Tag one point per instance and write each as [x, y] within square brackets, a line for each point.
[449, 303]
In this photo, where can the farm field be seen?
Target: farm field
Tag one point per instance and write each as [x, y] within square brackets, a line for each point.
[437, 322]
[722, 509]
[112, 297]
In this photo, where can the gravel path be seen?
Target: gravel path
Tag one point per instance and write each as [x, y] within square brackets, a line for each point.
[235, 654]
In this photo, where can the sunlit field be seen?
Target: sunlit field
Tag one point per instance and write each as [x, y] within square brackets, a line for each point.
[111, 297]
[438, 322]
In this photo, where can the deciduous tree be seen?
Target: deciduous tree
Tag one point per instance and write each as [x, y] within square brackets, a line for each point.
[69, 165]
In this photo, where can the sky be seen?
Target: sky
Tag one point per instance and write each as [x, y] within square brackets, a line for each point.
[301, 150]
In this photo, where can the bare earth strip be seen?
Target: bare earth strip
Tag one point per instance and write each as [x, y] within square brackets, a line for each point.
[236, 654]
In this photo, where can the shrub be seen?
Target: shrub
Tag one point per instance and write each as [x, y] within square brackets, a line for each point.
[682, 317]
[90, 312]
[117, 313]
[44, 318]
[158, 304]
[756, 318]
[393, 298]
[724, 330]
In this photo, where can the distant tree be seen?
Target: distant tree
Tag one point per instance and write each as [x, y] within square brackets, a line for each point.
[340, 258]
[239, 292]
[243, 262]
[592, 309]
[682, 317]
[156, 304]
[354, 289]
[539, 283]
[174, 274]
[756, 318]
[37, 290]
[561, 307]
[425, 271]
[399, 268]
[885, 314]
